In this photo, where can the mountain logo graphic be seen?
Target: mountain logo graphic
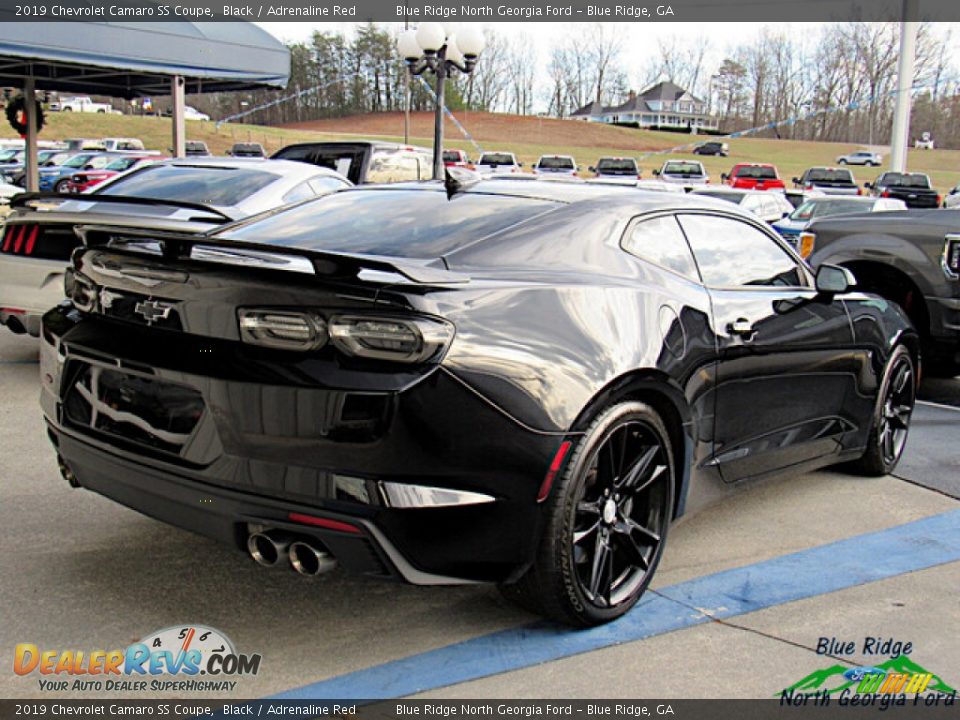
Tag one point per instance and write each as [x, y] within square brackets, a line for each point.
[898, 675]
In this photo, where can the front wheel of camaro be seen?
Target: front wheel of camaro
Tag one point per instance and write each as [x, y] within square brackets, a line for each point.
[607, 520]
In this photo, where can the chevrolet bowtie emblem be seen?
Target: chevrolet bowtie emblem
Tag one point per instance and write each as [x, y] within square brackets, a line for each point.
[153, 310]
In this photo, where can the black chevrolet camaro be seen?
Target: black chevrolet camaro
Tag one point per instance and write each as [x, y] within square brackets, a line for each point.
[511, 382]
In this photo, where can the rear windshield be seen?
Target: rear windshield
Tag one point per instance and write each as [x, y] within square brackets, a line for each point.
[757, 172]
[395, 223]
[223, 186]
[555, 163]
[496, 159]
[823, 208]
[122, 164]
[832, 176]
[733, 197]
[620, 166]
[914, 180]
[683, 168]
[78, 161]
[451, 156]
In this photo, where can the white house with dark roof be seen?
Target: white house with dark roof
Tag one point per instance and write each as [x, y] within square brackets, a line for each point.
[664, 105]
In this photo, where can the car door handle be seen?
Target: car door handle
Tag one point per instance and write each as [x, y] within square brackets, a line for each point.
[742, 327]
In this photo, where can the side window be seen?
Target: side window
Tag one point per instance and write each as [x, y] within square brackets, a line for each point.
[391, 167]
[323, 184]
[298, 193]
[732, 253]
[660, 241]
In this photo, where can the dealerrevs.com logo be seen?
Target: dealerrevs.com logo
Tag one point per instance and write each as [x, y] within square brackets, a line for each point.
[172, 659]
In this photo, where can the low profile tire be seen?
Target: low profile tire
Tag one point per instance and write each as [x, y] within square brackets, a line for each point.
[606, 524]
[61, 186]
[891, 419]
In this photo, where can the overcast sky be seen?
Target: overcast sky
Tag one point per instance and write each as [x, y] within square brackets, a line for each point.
[640, 40]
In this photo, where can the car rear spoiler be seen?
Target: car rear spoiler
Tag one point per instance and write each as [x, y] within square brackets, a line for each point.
[24, 200]
[179, 246]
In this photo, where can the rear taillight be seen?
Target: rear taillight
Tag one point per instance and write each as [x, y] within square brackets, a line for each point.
[20, 239]
[805, 244]
[951, 257]
[939, 200]
[81, 290]
[397, 339]
[885, 193]
[284, 330]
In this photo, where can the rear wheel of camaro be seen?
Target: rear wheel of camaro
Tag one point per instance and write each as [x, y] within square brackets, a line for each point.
[891, 420]
[607, 520]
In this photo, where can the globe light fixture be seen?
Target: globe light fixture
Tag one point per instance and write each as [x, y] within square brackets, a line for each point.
[443, 49]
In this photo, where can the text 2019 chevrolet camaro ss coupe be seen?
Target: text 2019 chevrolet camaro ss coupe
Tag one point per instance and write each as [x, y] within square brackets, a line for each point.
[517, 382]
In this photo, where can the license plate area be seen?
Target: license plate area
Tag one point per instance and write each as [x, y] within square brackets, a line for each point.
[131, 407]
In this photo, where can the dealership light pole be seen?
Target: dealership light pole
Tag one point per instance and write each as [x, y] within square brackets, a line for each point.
[434, 47]
[905, 68]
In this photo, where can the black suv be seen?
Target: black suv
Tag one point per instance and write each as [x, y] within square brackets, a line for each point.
[712, 148]
[364, 162]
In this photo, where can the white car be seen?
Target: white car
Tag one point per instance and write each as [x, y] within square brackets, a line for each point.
[80, 103]
[861, 157]
[194, 195]
[952, 198]
[549, 165]
[688, 173]
[498, 162]
[115, 144]
[190, 113]
[768, 206]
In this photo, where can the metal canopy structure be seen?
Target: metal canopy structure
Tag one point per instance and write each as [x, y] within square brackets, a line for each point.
[131, 59]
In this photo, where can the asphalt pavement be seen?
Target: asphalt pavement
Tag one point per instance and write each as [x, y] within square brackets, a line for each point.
[746, 590]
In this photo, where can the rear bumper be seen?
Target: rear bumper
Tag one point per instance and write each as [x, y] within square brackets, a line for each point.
[264, 449]
[28, 288]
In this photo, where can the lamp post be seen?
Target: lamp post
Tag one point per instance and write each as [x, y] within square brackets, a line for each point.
[435, 48]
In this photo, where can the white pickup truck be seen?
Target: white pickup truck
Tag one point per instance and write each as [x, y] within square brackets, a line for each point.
[80, 103]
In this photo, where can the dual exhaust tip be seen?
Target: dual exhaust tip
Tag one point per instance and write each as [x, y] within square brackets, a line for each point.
[271, 548]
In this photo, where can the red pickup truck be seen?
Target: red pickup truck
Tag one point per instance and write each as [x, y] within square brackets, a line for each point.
[753, 176]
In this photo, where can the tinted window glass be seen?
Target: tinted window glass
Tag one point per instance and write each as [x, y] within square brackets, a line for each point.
[391, 166]
[622, 166]
[731, 253]
[830, 175]
[302, 191]
[660, 241]
[223, 186]
[734, 197]
[122, 164]
[683, 168]
[555, 163]
[496, 159]
[397, 223]
[758, 173]
[323, 184]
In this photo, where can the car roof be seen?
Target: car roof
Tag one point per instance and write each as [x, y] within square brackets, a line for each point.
[278, 167]
[636, 199]
[364, 143]
[727, 190]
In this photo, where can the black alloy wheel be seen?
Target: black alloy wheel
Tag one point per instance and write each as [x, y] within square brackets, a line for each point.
[896, 410]
[607, 519]
[891, 422]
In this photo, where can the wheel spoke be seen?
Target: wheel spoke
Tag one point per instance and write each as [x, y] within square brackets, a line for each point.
[600, 554]
[901, 414]
[579, 535]
[629, 526]
[636, 553]
[629, 481]
[589, 507]
[903, 375]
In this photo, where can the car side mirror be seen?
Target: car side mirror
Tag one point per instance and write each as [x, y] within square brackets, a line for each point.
[868, 186]
[796, 181]
[656, 172]
[519, 164]
[592, 169]
[724, 176]
[833, 280]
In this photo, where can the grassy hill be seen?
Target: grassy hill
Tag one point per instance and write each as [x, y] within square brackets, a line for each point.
[527, 136]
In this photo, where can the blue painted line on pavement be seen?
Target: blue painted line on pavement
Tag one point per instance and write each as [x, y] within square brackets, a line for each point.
[847, 563]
